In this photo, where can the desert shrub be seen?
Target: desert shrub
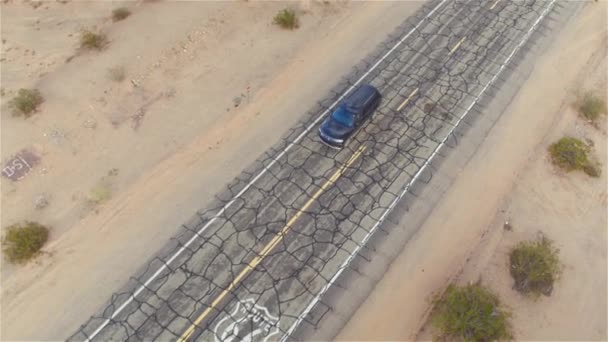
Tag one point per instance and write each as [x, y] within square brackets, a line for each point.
[287, 19]
[470, 313]
[99, 194]
[591, 106]
[26, 102]
[24, 240]
[120, 13]
[117, 73]
[571, 154]
[534, 266]
[91, 40]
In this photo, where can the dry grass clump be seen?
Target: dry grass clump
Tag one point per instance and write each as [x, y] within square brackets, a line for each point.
[120, 13]
[591, 106]
[26, 102]
[534, 266]
[99, 194]
[93, 41]
[470, 313]
[572, 154]
[23, 241]
[117, 73]
[287, 19]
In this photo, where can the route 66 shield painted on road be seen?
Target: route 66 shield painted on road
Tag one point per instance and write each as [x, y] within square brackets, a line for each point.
[248, 322]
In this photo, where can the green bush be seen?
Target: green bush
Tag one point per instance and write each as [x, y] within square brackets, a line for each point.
[120, 13]
[91, 40]
[24, 240]
[287, 19]
[591, 107]
[534, 266]
[26, 102]
[571, 154]
[470, 313]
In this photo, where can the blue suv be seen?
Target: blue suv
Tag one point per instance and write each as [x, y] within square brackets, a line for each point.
[350, 115]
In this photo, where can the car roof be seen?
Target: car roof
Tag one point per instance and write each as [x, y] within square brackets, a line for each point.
[360, 97]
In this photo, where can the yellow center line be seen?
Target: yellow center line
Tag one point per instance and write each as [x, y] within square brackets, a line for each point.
[494, 5]
[457, 45]
[408, 99]
[272, 244]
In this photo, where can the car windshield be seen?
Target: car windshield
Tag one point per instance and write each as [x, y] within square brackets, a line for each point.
[343, 117]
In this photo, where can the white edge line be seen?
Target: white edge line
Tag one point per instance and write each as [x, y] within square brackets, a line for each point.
[275, 159]
[314, 302]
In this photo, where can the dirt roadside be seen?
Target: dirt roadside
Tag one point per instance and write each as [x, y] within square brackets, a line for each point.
[167, 169]
[514, 181]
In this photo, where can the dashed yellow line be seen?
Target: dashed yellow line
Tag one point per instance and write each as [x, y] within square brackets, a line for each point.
[494, 5]
[272, 244]
[407, 100]
[457, 45]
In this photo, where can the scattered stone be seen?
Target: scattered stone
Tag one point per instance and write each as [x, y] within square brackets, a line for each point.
[57, 136]
[237, 101]
[170, 93]
[90, 123]
[41, 201]
[507, 226]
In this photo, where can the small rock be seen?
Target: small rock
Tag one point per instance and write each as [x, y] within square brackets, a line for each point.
[237, 101]
[90, 123]
[41, 201]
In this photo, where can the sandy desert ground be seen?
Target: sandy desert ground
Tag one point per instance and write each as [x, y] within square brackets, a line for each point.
[511, 179]
[199, 99]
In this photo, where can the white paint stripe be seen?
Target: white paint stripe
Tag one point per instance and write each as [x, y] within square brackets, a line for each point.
[408, 186]
[275, 159]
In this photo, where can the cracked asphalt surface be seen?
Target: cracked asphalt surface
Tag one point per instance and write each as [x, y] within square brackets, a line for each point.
[251, 268]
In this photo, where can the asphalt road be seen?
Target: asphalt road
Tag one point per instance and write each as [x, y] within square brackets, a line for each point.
[252, 268]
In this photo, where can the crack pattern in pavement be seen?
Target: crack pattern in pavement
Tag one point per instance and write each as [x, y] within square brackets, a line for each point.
[429, 82]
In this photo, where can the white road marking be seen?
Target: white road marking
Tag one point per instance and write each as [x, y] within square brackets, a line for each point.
[407, 187]
[275, 159]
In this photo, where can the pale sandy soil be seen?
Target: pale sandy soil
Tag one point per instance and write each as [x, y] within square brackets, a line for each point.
[510, 178]
[189, 61]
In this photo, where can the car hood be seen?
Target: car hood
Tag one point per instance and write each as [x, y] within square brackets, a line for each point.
[335, 130]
